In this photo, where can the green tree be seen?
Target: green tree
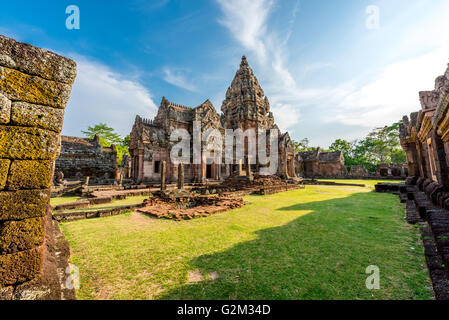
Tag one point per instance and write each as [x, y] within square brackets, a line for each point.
[303, 145]
[108, 137]
[107, 134]
[382, 145]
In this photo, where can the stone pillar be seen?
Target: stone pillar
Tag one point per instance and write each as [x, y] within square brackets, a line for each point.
[240, 167]
[163, 173]
[203, 172]
[35, 86]
[249, 173]
[181, 176]
[140, 174]
[442, 172]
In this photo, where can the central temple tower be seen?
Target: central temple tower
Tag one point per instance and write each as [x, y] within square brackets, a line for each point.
[245, 105]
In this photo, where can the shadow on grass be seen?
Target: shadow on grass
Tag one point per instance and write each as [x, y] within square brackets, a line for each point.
[320, 255]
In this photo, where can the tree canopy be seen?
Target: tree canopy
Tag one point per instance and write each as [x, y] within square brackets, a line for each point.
[380, 146]
[108, 137]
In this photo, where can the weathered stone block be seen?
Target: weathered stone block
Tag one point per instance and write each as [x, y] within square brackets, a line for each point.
[4, 168]
[27, 143]
[29, 174]
[20, 267]
[23, 204]
[22, 235]
[36, 61]
[19, 86]
[6, 293]
[33, 115]
[5, 109]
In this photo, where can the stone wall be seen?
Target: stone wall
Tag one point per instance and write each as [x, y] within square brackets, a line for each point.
[35, 86]
[82, 157]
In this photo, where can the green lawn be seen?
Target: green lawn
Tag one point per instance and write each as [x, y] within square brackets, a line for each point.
[62, 200]
[368, 183]
[114, 204]
[303, 244]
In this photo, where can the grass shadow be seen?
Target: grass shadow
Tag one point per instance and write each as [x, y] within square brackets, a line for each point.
[320, 255]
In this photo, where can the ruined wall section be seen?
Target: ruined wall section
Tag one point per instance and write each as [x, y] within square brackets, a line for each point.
[81, 157]
[35, 87]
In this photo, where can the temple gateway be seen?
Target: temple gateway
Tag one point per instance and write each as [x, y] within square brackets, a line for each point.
[245, 107]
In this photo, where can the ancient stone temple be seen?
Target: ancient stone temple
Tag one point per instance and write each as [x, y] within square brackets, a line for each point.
[425, 135]
[317, 164]
[245, 107]
[81, 157]
[425, 138]
[35, 85]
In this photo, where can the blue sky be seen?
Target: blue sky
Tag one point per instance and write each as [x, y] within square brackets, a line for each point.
[326, 73]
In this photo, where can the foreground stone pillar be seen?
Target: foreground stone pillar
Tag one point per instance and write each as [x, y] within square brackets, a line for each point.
[181, 176]
[35, 86]
[249, 173]
[163, 173]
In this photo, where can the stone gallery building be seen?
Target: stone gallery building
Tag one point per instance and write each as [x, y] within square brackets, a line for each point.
[83, 157]
[425, 136]
[245, 107]
[315, 164]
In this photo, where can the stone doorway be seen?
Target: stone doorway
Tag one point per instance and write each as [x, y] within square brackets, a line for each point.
[209, 171]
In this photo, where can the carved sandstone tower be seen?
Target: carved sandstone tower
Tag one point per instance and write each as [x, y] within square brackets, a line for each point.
[246, 106]
[35, 86]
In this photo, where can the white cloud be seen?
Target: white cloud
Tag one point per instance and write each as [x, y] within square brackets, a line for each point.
[100, 95]
[285, 116]
[246, 20]
[178, 78]
[394, 92]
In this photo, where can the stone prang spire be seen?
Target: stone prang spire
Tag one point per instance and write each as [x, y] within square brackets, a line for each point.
[245, 105]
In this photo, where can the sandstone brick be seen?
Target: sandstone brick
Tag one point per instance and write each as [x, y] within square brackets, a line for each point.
[36, 61]
[34, 115]
[20, 267]
[22, 235]
[6, 293]
[27, 143]
[4, 168]
[19, 86]
[23, 204]
[29, 174]
[5, 109]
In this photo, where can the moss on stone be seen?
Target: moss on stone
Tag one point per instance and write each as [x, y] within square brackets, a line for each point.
[23, 204]
[27, 143]
[4, 168]
[21, 266]
[22, 235]
[19, 86]
[34, 115]
[5, 109]
[29, 174]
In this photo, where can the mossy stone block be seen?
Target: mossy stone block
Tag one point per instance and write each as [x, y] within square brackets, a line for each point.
[19, 86]
[4, 168]
[21, 266]
[21, 235]
[24, 204]
[28, 143]
[33, 115]
[5, 109]
[29, 174]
